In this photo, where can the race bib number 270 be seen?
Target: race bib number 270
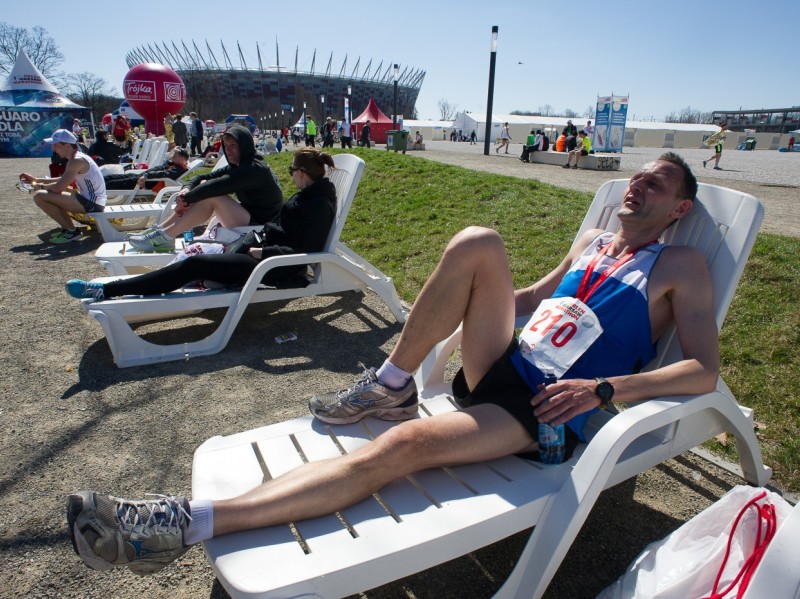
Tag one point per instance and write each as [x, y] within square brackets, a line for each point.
[558, 333]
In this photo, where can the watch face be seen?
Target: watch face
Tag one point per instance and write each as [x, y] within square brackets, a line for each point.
[604, 390]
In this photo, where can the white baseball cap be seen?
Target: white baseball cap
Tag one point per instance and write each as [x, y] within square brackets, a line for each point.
[62, 136]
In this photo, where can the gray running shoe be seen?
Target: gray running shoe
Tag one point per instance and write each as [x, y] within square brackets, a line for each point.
[145, 535]
[367, 397]
[141, 235]
[153, 240]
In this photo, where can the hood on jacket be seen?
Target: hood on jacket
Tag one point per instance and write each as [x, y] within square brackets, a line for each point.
[247, 146]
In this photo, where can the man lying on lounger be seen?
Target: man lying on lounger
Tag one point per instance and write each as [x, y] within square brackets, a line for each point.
[628, 282]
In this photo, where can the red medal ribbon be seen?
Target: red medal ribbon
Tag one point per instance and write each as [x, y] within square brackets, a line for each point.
[584, 291]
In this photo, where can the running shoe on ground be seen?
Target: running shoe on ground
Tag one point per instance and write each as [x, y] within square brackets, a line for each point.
[85, 290]
[367, 397]
[145, 536]
[152, 241]
[65, 236]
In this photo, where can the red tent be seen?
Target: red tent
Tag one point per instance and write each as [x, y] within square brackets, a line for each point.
[379, 123]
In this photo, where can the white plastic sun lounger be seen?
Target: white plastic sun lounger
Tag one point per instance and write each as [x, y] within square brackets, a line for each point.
[336, 269]
[437, 515]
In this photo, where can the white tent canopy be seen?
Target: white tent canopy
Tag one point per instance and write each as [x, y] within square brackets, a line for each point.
[25, 76]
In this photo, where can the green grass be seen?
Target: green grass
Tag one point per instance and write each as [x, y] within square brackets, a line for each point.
[407, 208]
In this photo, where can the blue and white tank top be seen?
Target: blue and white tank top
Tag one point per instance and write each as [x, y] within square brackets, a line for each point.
[621, 305]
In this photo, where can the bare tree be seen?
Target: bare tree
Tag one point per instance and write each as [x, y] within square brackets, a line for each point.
[87, 89]
[545, 110]
[570, 114]
[688, 115]
[447, 110]
[38, 45]
[589, 112]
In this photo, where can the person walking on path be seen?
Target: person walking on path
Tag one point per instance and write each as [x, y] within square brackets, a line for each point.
[311, 133]
[717, 140]
[197, 135]
[366, 130]
[505, 139]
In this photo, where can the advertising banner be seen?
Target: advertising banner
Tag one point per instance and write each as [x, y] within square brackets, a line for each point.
[23, 130]
[610, 118]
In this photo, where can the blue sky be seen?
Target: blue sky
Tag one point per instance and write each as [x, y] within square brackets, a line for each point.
[666, 55]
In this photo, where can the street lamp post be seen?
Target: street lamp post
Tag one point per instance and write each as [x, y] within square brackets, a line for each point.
[396, 76]
[349, 106]
[322, 99]
[492, 59]
[305, 133]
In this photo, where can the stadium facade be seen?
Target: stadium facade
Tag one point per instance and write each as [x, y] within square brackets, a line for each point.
[217, 86]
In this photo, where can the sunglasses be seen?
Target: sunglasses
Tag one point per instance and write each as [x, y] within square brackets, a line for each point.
[292, 169]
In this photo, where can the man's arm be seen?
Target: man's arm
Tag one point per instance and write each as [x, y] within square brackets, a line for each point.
[64, 182]
[526, 300]
[682, 280]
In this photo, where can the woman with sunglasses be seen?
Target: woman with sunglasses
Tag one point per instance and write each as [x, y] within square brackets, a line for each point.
[303, 227]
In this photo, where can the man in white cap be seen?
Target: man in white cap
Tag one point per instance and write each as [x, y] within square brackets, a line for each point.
[57, 197]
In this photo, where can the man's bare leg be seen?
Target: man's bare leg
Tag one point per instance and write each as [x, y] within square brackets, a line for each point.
[472, 283]
[479, 433]
[56, 205]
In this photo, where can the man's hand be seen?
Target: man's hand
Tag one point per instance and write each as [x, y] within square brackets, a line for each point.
[27, 178]
[563, 400]
[140, 182]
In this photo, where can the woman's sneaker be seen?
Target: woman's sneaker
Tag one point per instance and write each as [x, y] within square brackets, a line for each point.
[368, 397]
[154, 240]
[85, 290]
[145, 536]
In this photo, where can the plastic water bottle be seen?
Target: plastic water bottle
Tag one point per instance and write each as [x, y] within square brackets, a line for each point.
[551, 438]
[188, 237]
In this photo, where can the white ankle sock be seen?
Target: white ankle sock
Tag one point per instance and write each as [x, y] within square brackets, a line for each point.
[392, 376]
[201, 526]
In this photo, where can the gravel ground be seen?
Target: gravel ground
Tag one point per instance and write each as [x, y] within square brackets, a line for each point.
[72, 420]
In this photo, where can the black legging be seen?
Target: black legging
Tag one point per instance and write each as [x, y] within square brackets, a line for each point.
[228, 269]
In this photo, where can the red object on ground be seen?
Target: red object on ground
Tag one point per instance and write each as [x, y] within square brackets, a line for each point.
[153, 90]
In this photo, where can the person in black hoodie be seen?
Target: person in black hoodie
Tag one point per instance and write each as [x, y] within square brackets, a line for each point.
[303, 227]
[253, 182]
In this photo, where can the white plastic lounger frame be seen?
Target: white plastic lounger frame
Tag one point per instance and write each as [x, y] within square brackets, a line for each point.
[335, 270]
[138, 214]
[119, 197]
[437, 515]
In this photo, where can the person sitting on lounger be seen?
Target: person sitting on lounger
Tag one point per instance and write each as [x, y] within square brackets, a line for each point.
[634, 286]
[172, 168]
[253, 182]
[303, 227]
[57, 197]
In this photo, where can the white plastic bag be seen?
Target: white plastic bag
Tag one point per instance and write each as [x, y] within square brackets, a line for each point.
[685, 564]
[196, 249]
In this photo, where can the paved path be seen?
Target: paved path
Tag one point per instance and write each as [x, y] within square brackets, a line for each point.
[772, 177]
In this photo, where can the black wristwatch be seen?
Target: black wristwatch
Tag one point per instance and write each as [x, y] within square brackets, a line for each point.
[605, 391]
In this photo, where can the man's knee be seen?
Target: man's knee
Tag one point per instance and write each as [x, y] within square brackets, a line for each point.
[475, 242]
[398, 448]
